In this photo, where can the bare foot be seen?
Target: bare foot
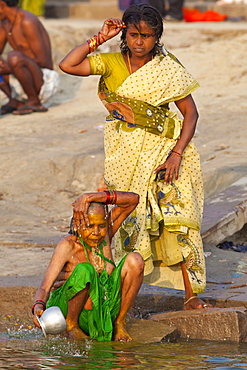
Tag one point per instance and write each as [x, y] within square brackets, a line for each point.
[120, 333]
[194, 303]
[75, 333]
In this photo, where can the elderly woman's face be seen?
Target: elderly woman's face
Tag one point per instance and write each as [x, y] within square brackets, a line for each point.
[140, 41]
[94, 233]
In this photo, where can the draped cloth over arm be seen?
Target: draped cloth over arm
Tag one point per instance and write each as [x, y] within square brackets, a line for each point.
[165, 227]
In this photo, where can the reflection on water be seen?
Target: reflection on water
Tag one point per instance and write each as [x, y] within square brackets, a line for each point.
[28, 349]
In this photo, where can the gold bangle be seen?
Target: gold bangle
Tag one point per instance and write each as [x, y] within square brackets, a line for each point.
[94, 42]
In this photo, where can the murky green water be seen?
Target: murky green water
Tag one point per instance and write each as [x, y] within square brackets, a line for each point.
[28, 349]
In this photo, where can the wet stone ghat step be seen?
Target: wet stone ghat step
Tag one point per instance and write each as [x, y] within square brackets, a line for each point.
[220, 324]
[215, 324]
[225, 213]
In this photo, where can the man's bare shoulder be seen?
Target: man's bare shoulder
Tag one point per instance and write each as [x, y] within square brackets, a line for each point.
[29, 20]
[67, 242]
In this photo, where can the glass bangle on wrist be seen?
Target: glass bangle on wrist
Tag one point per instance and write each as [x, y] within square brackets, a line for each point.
[38, 302]
[95, 42]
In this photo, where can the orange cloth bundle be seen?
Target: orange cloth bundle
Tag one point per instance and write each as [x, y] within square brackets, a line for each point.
[194, 15]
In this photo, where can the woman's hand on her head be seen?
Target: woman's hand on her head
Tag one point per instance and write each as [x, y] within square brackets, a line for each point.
[80, 209]
[111, 28]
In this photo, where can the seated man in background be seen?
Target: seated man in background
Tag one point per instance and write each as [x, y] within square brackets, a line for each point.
[29, 78]
[82, 279]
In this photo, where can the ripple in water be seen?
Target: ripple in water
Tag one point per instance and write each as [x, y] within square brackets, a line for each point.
[28, 349]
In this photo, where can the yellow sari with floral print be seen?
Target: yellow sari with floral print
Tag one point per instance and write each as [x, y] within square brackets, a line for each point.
[140, 132]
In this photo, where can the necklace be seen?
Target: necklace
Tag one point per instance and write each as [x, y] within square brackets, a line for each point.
[12, 25]
[100, 248]
[129, 64]
[97, 261]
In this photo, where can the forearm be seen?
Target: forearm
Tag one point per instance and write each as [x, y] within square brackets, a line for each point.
[119, 198]
[76, 62]
[172, 164]
[190, 114]
[41, 295]
[187, 132]
[125, 199]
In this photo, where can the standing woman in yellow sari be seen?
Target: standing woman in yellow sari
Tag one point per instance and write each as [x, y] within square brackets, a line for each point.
[148, 148]
[36, 7]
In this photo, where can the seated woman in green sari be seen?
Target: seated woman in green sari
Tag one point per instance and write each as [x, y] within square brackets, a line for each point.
[148, 148]
[82, 279]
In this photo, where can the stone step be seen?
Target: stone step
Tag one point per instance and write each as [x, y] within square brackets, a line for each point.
[216, 324]
[147, 331]
[87, 10]
[225, 213]
[95, 9]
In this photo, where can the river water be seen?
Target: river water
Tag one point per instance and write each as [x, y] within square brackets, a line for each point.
[28, 349]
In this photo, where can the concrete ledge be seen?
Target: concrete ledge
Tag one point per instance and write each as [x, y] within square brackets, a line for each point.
[220, 324]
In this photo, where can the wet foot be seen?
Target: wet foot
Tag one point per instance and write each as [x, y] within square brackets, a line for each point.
[75, 333]
[194, 303]
[120, 333]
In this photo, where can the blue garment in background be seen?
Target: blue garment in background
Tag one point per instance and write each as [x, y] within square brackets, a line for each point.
[124, 4]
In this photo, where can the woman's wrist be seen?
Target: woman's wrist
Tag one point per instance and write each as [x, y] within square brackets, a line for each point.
[95, 42]
[40, 302]
[111, 196]
[102, 38]
[177, 153]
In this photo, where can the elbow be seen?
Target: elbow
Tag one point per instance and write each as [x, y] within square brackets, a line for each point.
[196, 115]
[137, 198]
[62, 66]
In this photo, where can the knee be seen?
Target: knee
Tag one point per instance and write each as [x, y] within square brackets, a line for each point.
[134, 261]
[14, 57]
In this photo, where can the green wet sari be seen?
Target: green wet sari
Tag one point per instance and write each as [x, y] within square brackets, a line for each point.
[105, 292]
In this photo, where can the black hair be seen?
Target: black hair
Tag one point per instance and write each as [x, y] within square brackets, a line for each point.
[11, 3]
[137, 13]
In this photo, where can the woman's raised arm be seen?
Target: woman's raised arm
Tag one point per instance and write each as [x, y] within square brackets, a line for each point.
[76, 62]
